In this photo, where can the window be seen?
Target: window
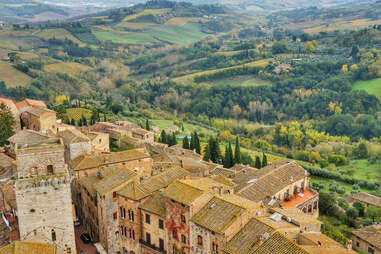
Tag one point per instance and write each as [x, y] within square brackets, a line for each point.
[50, 170]
[148, 219]
[183, 239]
[174, 249]
[215, 248]
[133, 234]
[131, 215]
[54, 237]
[114, 194]
[357, 244]
[174, 234]
[68, 250]
[199, 240]
[183, 220]
[161, 224]
[115, 215]
[116, 235]
[370, 250]
[148, 238]
[161, 244]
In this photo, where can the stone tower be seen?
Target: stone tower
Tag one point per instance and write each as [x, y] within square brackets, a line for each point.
[43, 193]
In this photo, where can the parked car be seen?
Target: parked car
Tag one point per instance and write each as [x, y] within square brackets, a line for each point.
[86, 238]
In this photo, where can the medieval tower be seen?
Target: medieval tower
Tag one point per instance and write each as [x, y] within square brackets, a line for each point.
[43, 194]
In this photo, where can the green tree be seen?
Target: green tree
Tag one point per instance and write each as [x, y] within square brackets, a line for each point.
[228, 160]
[212, 151]
[163, 137]
[186, 142]
[174, 140]
[360, 207]
[374, 213]
[6, 124]
[148, 127]
[84, 120]
[72, 122]
[264, 160]
[237, 152]
[352, 212]
[257, 162]
[192, 142]
[327, 204]
[362, 151]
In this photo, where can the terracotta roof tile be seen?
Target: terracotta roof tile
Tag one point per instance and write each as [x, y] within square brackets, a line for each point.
[92, 161]
[217, 215]
[270, 180]
[155, 204]
[137, 191]
[370, 234]
[278, 244]
[21, 247]
[367, 198]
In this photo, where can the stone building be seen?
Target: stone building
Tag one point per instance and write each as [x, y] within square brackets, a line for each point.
[282, 181]
[23, 105]
[181, 207]
[137, 160]
[98, 207]
[366, 199]
[100, 142]
[367, 239]
[154, 231]
[318, 243]
[76, 144]
[218, 221]
[130, 198]
[39, 119]
[43, 194]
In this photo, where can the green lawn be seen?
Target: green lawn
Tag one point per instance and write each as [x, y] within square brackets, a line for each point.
[243, 80]
[124, 37]
[188, 33]
[188, 128]
[348, 187]
[364, 170]
[371, 86]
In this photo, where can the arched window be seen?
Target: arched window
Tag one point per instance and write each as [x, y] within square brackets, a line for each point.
[50, 170]
[199, 240]
[54, 237]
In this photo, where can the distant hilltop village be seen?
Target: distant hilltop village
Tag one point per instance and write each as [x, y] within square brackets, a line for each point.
[60, 181]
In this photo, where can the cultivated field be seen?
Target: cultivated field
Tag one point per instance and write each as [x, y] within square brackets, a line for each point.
[76, 113]
[69, 68]
[146, 12]
[59, 33]
[258, 63]
[136, 25]
[182, 21]
[124, 37]
[242, 80]
[340, 24]
[371, 86]
[22, 55]
[13, 77]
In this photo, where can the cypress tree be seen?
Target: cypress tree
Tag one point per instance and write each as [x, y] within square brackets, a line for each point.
[217, 152]
[192, 142]
[72, 122]
[84, 120]
[264, 160]
[237, 152]
[80, 122]
[147, 125]
[228, 161]
[163, 137]
[257, 162]
[207, 151]
[197, 143]
[186, 142]
[174, 140]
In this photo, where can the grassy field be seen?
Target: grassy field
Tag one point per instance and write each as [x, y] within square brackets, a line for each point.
[13, 77]
[124, 37]
[243, 80]
[188, 128]
[262, 63]
[340, 24]
[58, 33]
[178, 21]
[371, 86]
[146, 12]
[188, 33]
[135, 25]
[70, 68]
[76, 113]
[7, 45]
[22, 55]
[364, 170]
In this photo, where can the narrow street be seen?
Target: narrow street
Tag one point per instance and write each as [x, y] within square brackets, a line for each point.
[87, 248]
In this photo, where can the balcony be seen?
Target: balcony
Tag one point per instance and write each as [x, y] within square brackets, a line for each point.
[299, 199]
[153, 247]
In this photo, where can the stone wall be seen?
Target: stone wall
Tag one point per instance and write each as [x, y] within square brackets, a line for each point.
[35, 161]
[153, 229]
[44, 205]
[78, 149]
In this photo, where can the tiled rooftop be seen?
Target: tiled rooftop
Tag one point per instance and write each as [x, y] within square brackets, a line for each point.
[21, 247]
